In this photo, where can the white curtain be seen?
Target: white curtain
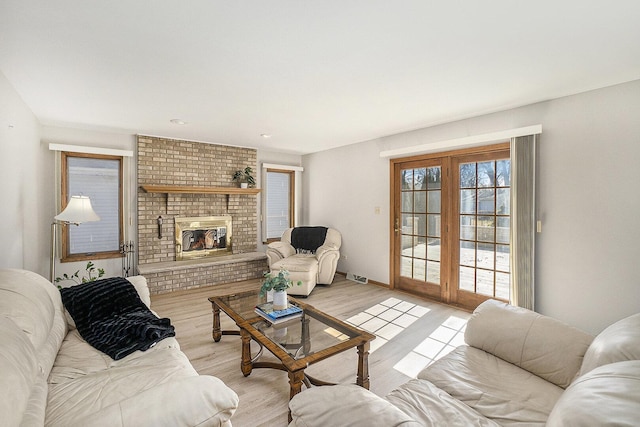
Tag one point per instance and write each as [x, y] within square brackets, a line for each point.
[523, 178]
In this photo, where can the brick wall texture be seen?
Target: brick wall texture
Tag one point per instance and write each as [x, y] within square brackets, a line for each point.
[163, 161]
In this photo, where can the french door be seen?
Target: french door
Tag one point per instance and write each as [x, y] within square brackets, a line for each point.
[450, 230]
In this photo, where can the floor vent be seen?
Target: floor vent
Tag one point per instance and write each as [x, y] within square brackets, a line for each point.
[356, 278]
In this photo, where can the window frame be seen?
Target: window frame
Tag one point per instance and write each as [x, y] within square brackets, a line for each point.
[292, 190]
[65, 256]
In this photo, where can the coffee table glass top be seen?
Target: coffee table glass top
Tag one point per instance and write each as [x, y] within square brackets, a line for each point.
[305, 336]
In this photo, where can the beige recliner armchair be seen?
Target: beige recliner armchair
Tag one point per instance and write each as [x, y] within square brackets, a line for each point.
[309, 254]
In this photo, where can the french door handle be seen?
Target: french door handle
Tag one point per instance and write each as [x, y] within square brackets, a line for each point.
[397, 226]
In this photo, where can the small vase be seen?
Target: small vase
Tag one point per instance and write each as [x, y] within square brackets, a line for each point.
[280, 300]
[244, 185]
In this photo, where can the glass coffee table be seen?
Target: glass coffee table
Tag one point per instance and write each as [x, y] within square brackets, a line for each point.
[296, 343]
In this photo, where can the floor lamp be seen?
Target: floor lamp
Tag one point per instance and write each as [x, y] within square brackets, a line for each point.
[78, 210]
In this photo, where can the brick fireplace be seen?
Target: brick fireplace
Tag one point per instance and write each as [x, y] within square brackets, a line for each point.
[170, 163]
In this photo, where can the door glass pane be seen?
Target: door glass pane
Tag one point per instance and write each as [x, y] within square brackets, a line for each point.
[433, 272]
[419, 179]
[433, 249]
[486, 174]
[503, 232]
[503, 171]
[485, 256]
[466, 280]
[467, 227]
[468, 253]
[468, 175]
[503, 201]
[409, 223]
[434, 180]
[407, 245]
[434, 201]
[468, 201]
[420, 269]
[484, 284]
[486, 201]
[407, 201]
[407, 179]
[434, 226]
[420, 198]
[502, 258]
[406, 266]
[419, 247]
[486, 229]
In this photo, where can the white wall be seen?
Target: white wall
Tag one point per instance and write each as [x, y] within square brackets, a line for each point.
[24, 169]
[589, 158]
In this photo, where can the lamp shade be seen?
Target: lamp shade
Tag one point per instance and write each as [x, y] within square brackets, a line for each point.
[78, 210]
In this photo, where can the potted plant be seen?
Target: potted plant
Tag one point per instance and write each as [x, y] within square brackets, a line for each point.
[94, 274]
[245, 177]
[279, 284]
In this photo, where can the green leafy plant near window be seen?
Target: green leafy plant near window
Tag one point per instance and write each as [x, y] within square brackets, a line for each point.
[92, 272]
[278, 282]
[245, 176]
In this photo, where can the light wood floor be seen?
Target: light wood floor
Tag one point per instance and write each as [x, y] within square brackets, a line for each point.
[264, 394]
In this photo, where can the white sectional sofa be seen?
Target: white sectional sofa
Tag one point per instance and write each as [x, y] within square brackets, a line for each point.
[49, 376]
[519, 368]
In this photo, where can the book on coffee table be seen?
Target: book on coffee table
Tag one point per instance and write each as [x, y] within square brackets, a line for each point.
[278, 316]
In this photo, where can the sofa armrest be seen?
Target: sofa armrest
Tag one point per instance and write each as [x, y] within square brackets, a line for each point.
[279, 250]
[194, 401]
[539, 344]
[349, 405]
[326, 250]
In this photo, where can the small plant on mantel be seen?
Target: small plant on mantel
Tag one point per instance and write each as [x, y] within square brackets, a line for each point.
[93, 275]
[245, 175]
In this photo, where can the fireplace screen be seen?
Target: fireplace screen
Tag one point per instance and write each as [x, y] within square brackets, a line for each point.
[199, 237]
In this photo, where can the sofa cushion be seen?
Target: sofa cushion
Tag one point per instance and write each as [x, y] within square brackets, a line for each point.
[347, 405]
[496, 389]
[431, 406]
[617, 343]
[541, 345]
[85, 380]
[608, 395]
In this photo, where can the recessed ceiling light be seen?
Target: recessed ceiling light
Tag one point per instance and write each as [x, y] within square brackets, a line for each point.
[265, 135]
[178, 122]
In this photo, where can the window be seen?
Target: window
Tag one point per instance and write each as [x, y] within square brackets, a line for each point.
[100, 178]
[279, 203]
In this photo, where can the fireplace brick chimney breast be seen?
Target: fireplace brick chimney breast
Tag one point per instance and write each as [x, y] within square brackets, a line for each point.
[163, 161]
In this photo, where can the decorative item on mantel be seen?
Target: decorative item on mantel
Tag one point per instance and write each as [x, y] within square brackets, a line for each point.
[245, 178]
[279, 285]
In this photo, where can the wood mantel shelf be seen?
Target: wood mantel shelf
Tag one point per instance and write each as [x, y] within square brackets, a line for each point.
[185, 189]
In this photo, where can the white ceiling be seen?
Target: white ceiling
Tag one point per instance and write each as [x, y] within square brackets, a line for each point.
[313, 74]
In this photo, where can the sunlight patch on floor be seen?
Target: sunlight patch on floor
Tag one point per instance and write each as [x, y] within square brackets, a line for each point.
[387, 319]
[439, 343]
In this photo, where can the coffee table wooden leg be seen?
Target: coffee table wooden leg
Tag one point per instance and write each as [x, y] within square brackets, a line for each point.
[363, 366]
[216, 332]
[246, 365]
[295, 385]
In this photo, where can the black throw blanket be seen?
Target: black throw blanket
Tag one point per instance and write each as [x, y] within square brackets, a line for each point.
[308, 238]
[111, 317]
